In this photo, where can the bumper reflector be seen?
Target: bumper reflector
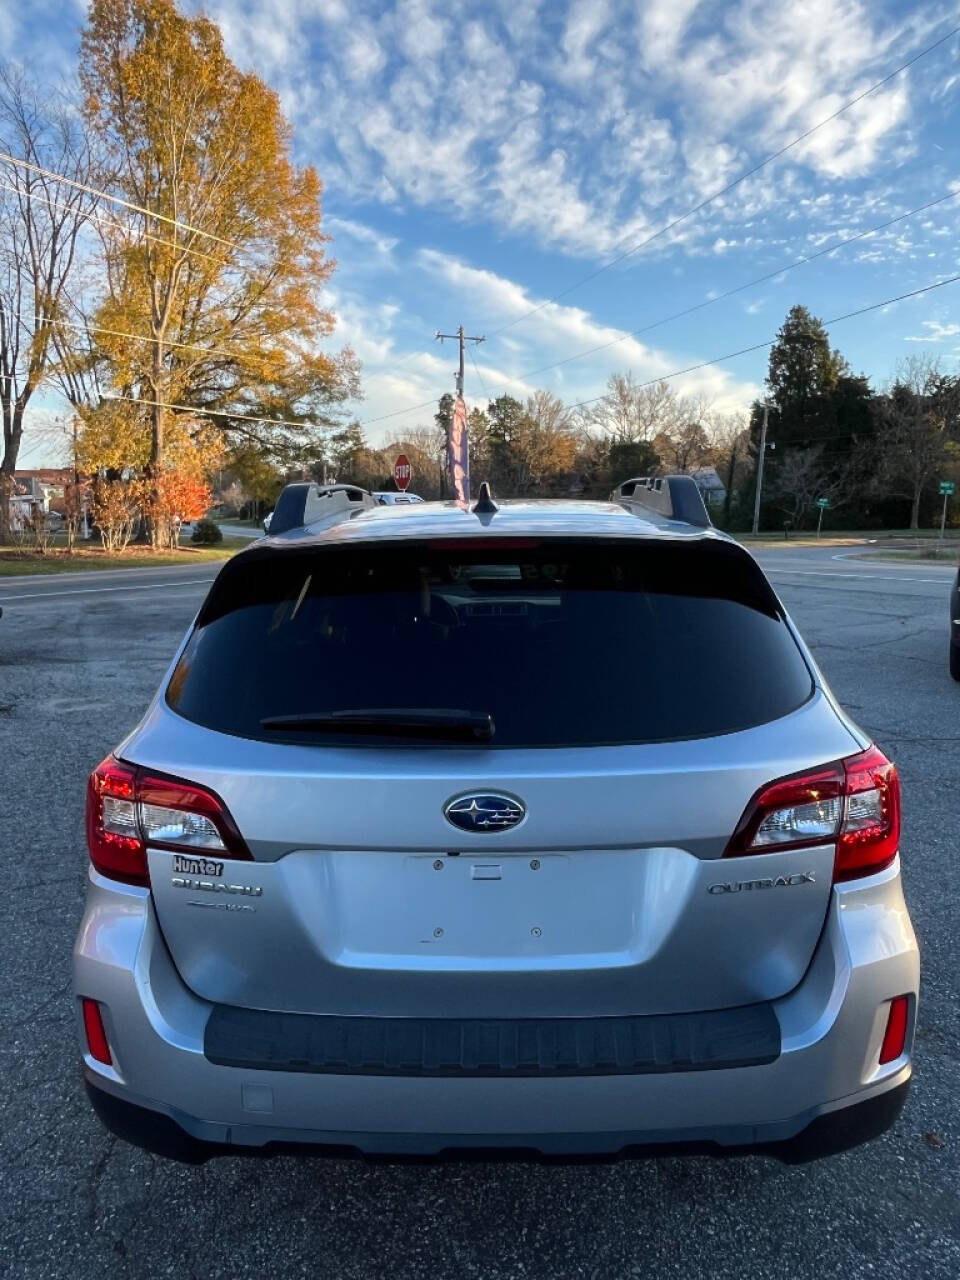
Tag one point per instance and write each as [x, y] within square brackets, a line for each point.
[895, 1035]
[95, 1032]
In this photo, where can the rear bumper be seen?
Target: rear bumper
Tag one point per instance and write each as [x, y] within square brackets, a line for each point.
[831, 1028]
[188, 1139]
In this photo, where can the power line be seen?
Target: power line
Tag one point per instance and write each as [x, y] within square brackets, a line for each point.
[426, 404]
[52, 323]
[211, 413]
[580, 404]
[104, 195]
[761, 346]
[730, 185]
[729, 293]
[396, 413]
[708, 302]
[683, 217]
[461, 339]
[732, 355]
[476, 367]
[111, 222]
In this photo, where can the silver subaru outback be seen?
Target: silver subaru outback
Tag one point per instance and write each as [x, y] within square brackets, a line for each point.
[531, 825]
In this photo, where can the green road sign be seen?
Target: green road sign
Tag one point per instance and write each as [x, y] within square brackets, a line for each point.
[947, 487]
[823, 503]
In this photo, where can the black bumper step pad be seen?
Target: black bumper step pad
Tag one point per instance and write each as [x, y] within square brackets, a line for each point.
[508, 1047]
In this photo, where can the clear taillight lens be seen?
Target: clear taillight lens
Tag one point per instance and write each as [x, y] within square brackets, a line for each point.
[815, 820]
[120, 817]
[128, 809]
[176, 826]
[855, 802]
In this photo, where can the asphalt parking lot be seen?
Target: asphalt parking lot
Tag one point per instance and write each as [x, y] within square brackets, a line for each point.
[79, 659]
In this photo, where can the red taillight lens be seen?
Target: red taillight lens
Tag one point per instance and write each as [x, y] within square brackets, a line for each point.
[113, 832]
[870, 835]
[128, 809]
[855, 802]
[895, 1036]
[95, 1032]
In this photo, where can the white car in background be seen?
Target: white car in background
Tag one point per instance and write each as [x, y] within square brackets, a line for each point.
[394, 498]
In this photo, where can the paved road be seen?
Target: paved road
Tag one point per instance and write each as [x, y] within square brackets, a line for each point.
[75, 672]
[24, 591]
[242, 530]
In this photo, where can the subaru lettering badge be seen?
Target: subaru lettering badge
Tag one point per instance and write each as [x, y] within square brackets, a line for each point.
[478, 811]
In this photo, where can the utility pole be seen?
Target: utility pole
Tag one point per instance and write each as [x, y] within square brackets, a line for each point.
[760, 460]
[79, 498]
[458, 446]
[463, 339]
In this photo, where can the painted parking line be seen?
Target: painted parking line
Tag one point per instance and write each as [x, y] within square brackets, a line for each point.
[99, 591]
[861, 577]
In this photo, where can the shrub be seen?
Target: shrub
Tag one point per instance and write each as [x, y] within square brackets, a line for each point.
[170, 497]
[116, 509]
[206, 532]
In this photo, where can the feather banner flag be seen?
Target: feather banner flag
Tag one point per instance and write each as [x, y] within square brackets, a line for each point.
[458, 452]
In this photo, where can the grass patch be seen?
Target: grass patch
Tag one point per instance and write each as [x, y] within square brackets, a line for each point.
[942, 555]
[15, 562]
[846, 535]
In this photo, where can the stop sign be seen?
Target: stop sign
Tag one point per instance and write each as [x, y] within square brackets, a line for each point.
[402, 472]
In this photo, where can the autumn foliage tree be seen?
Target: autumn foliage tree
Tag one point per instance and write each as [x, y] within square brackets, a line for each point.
[221, 284]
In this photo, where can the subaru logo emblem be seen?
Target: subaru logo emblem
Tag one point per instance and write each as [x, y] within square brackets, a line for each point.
[485, 813]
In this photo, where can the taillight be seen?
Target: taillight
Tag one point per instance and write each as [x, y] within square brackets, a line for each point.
[128, 809]
[855, 802]
[113, 834]
[870, 835]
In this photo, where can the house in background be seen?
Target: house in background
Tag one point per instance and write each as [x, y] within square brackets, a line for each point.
[710, 485]
[44, 487]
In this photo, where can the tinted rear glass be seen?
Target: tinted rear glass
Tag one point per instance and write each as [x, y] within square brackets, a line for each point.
[561, 643]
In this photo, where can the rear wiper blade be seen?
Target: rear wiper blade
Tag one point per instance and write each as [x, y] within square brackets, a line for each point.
[428, 722]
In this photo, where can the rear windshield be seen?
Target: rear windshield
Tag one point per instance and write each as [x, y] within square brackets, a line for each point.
[558, 643]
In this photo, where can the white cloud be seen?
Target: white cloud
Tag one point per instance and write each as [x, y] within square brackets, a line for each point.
[557, 332]
[663, 24]
[584, 126]
[364, 55]
[936, 332]
[382, 245]
[405, 371]
[584, 23]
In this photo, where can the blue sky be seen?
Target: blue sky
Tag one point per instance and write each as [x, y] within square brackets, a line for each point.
[480, 159]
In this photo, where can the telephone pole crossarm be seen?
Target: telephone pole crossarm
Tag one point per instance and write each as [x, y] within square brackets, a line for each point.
[462, 338]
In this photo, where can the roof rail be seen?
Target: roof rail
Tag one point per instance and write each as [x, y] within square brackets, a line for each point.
[307, 502]
[673, 497]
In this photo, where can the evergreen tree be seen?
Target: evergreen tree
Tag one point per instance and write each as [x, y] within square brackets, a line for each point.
[816, 404]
